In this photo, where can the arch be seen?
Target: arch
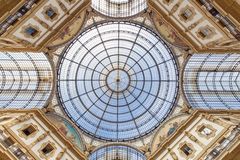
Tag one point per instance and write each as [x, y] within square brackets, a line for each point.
[212, 81]
[67, 129]
[119, 8]
[167, 129]
[117, 151]
[25, 80]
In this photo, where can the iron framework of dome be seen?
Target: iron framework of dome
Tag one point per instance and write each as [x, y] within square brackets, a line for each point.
[117, 81]
[119, 8]
[117, 152]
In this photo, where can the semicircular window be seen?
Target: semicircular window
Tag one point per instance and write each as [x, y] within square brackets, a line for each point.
[119, 8]
[211, 81]
[26, 80]
[118, 81]
[117, 152]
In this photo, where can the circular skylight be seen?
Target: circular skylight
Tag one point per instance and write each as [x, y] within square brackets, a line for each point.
[119, 8]
[117, 81]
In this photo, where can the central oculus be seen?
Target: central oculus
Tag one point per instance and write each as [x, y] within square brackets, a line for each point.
[117, 81]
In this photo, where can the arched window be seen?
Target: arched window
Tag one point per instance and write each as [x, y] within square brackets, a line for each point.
[119, 8]
[117, 152]
[212, 81]
[25, 80]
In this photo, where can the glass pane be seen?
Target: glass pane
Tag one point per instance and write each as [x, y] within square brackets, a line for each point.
[121, 90]
[25, 80]
[117, 152]
[211, 81]
[119, 8]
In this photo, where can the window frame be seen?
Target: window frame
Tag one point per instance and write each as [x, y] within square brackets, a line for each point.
[25, 126]
[213, 133]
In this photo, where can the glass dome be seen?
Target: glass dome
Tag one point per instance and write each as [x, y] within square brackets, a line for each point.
[119, 8]
[117, 81]
[117, 152]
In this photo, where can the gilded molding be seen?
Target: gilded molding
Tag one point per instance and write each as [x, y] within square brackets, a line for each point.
[42, 155]
[183, 10]
[54, 9]
[200, 33]
[211, 135]
[191, 155]
[45, 25]
[23, 31]
[70, 1]
[167, 2]
[63, 7]
[25, 126]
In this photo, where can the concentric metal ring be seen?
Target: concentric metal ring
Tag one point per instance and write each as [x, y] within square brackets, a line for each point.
[117, 81]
